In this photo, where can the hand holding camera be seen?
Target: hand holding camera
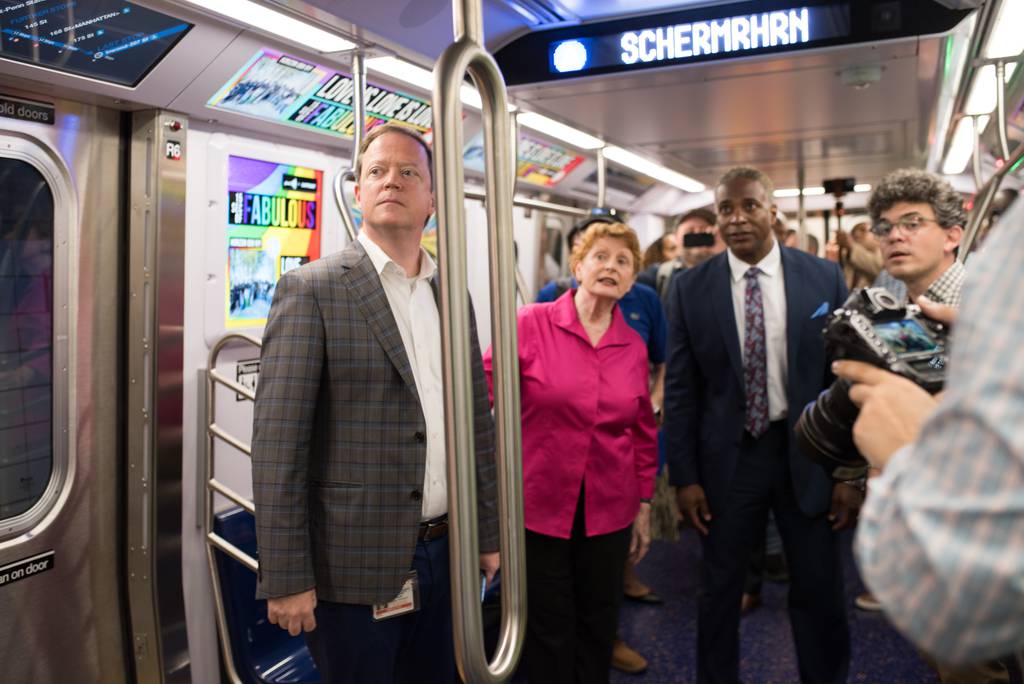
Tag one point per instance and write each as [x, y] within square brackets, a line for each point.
[881, 343]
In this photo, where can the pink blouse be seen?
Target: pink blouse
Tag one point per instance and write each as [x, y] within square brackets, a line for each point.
[587, 418]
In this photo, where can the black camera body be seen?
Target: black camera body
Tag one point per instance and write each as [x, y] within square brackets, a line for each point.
[874, 327]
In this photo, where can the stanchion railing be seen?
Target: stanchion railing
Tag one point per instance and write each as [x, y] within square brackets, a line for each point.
[983, 202]
[466, 54]
[358, 128]
[214, 486]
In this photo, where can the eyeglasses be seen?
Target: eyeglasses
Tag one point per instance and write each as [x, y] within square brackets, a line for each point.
[909, 224]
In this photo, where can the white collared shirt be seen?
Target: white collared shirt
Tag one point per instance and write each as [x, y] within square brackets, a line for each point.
[415, 311]
[773, 295]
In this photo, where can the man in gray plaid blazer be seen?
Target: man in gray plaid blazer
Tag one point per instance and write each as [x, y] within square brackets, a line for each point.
[348, 441]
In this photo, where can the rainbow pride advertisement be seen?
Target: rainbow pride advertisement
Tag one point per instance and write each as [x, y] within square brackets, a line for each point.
[274, 215]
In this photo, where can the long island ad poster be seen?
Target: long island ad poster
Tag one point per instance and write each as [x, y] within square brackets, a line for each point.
[274, 215]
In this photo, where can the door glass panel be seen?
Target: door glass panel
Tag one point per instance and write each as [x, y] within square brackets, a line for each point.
[26, 336]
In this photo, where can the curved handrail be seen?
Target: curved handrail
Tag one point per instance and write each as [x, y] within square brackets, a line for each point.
[983, 201]
[467, 55]
[212, 486]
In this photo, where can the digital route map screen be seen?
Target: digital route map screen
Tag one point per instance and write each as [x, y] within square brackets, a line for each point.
[109, 40]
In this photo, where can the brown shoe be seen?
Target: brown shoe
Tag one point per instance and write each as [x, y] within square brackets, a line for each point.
[749, 602]
[625, 659]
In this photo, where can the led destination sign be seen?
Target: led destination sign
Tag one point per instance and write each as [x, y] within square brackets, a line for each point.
[110, 40]
[680, 42]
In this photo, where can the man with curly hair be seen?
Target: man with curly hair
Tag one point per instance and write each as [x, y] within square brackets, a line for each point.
[918, 219]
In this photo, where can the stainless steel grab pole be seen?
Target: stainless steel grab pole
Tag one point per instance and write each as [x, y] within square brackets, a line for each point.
[466, 54]
[983, 202]
[358, 128]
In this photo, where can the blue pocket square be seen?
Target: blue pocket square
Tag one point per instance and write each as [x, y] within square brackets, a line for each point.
[820, 311]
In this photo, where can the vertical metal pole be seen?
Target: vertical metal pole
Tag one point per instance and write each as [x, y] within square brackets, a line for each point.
[358, 128]
[801, 210]
[976, 156]
[1004, 145]
[467, 54]
[602, 178]
[358, 103]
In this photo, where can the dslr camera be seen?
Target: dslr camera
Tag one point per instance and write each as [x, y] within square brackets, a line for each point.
[875, 327]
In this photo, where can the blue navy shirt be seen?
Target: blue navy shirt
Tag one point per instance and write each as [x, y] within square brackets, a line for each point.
[641, 308]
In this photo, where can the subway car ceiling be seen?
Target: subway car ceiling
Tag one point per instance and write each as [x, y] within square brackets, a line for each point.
[872, 91]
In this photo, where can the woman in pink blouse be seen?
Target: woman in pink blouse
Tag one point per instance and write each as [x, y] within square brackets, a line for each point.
[589, 459]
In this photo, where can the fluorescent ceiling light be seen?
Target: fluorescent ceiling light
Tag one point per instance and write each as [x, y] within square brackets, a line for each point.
[277, 23]
[406, 72]
[559, 131]
[814, 190]
[1006, 38]
[652, 169]
[862, 187]
[962, 147]
[787, 192]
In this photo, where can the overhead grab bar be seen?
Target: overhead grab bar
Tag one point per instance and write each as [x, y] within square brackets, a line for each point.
[466, 54]
[358, 128]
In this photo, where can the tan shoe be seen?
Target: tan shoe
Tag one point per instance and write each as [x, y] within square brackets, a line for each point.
[625, 659]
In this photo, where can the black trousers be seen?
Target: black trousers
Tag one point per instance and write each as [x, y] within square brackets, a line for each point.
[349, 647]
[816, 611]
[573, 589]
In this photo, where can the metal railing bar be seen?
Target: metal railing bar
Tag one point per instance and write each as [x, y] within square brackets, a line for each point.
[466, 54]
[233, 551]
[211, 485]
[983, 201]
[229, 493]
[222, 379]
[218, 432]
[1004, 145]
[530, 203]
[358, 129]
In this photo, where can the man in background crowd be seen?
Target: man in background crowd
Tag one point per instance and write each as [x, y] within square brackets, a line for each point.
[703, 243]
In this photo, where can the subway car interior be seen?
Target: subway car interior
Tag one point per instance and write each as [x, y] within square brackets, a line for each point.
[164, 162]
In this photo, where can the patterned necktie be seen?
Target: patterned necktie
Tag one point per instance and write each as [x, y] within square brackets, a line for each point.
[755, 355]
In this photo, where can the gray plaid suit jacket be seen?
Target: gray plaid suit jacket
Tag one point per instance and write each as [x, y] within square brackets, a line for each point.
[339, 446]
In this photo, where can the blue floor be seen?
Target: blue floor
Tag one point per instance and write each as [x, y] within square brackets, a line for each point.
[666, 634]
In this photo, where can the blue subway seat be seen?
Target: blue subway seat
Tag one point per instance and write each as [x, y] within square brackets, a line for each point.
[263, 653]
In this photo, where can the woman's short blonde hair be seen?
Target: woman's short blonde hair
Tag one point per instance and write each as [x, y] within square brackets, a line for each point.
[602, 229]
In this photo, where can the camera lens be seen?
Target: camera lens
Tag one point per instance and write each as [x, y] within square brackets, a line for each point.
[825, 431]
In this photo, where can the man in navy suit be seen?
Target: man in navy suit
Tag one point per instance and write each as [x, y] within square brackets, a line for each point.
[745, 356]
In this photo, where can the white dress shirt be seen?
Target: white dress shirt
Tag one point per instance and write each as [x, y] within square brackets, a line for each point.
[773, 296]
[415, 311]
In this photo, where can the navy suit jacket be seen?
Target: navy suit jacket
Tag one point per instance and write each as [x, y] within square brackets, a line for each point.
[705, 401]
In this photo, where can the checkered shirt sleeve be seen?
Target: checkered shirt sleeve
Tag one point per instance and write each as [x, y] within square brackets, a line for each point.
[941, 540]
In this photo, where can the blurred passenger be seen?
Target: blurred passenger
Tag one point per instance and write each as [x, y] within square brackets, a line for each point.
[661, 250]
[813, 246]
[745, 355]
[693, 250]
[589, 459]
[858, 253]
[792, 239]
[940, 541]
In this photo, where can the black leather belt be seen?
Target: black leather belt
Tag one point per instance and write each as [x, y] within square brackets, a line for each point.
[434, 529]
